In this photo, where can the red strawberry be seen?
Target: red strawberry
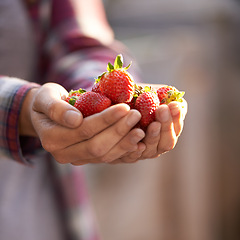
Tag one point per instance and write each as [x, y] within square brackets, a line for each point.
[146, 104]
[117, 84]
[90, 102]
[167, 94]
[73, 95]
[137, 91]
[96, 87]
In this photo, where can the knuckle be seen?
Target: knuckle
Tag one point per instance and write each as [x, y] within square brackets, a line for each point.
[48, 142]
[52, 109]
[130, 147]
[96, 150]
[49, 146]
[86, 132]
[107, 121]
[120, 131]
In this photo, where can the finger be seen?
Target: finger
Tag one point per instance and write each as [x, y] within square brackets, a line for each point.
[54, 136]
[48, 100]
[136, 155]
[176, 117]
[151, 140]
[130, 157]
[168, 137]
[102, 143]
[114, 134]
[98, 122]
[178, 111]
[127, 145]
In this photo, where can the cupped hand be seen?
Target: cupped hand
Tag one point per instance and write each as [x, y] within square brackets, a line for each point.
[162, 135]
[101, 138]
[106, 137]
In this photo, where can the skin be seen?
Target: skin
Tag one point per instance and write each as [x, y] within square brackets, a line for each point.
[106, 137]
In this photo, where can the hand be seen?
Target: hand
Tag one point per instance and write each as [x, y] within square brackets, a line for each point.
[162, 135]
[103, 137]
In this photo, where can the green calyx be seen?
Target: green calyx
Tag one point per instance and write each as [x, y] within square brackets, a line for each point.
[139, 90]
[72, 100]
[80, 90]
[74, 94]
[174, 96]
[118, 64]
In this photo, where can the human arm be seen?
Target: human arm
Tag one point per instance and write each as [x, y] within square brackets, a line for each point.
[68, 54]
[74, 41]
[37, 112]
[79, 57]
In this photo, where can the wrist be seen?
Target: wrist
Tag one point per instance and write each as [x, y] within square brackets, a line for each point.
[25, 122]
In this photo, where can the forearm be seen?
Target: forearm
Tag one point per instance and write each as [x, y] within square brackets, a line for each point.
[78, 44]
[89, 16]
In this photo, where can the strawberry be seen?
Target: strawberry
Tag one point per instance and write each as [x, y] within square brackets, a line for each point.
[137, 91]
[73, 95]
[96, 87]
[117, 84]
[147, 103]
[167, 94]
[90, 103]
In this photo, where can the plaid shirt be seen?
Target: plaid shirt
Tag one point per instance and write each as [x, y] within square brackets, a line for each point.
[70, 55]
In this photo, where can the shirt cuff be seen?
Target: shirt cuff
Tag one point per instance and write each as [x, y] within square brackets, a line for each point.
[15, 92]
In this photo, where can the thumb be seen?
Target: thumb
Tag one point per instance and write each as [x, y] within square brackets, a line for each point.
[49, 101]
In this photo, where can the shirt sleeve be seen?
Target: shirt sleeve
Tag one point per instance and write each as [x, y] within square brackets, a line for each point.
[12, 94]
[76, 42]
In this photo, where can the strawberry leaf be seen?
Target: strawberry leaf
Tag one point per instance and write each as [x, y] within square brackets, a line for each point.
[181, 94]
[80, 90]
[128, 66]
[110, 67]
[118, 63]
[99, 78]
[147, 89]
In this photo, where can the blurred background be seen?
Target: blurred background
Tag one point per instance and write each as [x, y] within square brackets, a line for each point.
[192, 192]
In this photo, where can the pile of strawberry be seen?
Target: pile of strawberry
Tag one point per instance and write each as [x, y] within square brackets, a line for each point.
[117, 86]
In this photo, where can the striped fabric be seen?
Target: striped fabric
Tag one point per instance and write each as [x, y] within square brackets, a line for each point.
[12, 93]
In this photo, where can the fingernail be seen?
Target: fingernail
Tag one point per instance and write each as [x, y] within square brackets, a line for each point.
[175, 110]
[164, 114]
[138, 137]
[141, 147]
[133, 118]
[72, 118]
[122, 110]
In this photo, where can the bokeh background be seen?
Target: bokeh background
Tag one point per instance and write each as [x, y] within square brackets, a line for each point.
[192, 192]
